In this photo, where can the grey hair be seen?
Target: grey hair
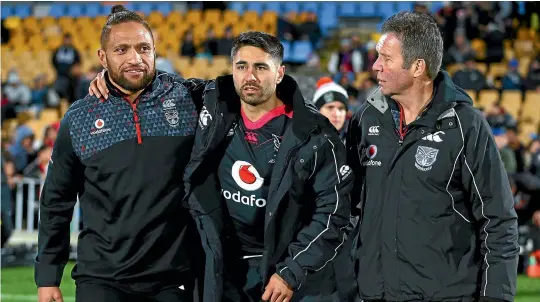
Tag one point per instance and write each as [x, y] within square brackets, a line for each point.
[420, 38]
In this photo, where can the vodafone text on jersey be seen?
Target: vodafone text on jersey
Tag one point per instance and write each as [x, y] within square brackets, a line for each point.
[248, 178]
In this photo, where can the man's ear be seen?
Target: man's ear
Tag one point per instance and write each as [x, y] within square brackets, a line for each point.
[281, 73]
[102, 58]
[419, 68]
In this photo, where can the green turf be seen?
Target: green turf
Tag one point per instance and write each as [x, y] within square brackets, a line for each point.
[18, 285]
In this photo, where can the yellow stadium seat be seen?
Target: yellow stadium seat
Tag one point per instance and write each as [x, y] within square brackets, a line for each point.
[99, 21]
[511, 102]
[497, 70]
[479, 46]
[194, 17]
[230, 17]
[251, 17]
[454, 68]
[49, 115]
[473, 95]
[525, 131]
[212, 16]
[47, 21]
[155, 19]
[31, 25]
[482, 67]
[174, 19]
[523, 68]
[487, 97]
[181, 63]
[531, 107]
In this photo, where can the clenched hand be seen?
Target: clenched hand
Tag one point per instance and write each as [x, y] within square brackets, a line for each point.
[277, 290]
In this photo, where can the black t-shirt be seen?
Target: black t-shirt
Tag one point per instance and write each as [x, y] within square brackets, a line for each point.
[245, 171]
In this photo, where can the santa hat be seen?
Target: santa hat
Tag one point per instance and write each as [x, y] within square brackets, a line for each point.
[328, 91]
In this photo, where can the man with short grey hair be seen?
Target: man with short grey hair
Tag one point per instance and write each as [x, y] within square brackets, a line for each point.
[437, 221]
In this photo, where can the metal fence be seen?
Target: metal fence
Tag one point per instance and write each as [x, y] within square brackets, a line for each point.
[26, 211]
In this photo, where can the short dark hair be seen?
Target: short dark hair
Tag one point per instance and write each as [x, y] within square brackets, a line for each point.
[119, 14]
[420, 38]
[264, 41]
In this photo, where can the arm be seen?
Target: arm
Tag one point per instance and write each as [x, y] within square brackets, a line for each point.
[64, 180]
[486, 181]
[353, 140]
[320, 241]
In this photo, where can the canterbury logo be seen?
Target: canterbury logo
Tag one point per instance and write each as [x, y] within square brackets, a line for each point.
[434, 137]
[373, 130]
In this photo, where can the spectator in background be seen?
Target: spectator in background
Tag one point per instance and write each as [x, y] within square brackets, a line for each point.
[346, 60]
[287, 29]
[370, 56]
[519, 150]
[38, 167]
[461, 50]
[512, 80]
[84, 82]
[211, 43]
[22, 149]
[188, 48]
[162, 63]
[310, 30]
[332, 101]
[64, 59]
[6, 214]
[533, 75]
[49, 136]
[497, 117]
[18, 94]
[367, 88]
[470, 77]
[534, 151]
[42, 95]
[507, 155]
[494, 39]
[226, 42]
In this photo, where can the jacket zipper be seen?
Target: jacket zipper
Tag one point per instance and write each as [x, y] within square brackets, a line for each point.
[136, 119]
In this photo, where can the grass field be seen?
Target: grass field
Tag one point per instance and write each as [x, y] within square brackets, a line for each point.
[18, 285]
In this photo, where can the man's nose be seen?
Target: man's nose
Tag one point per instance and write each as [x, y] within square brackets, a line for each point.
[133, 57]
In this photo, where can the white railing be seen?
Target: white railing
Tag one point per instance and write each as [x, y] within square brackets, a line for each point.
[33, 190]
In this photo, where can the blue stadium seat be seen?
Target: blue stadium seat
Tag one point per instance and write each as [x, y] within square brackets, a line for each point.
[23, 10]
[386, 9]
[274, 6]
[328, 7]
[327, 20]
[301, 51]
[405, 5]
[291, 7]
[312, 7]
[95, 9]
[7, 11]
[287, 51]
[164, 7]
[75, 10]
[58, 10]
[367, 9]
[347, 9]
[435, 6]
[237, 6]
[144, 7]
[256, 6]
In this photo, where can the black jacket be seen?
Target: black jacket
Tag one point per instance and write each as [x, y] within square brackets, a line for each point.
[125, 162]
[437, 219]
[308, 205]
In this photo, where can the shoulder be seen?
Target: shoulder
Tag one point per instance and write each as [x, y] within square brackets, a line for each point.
[470, 118]
[82, 105]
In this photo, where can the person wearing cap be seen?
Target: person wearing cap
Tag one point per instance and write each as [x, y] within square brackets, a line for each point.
[332, 101]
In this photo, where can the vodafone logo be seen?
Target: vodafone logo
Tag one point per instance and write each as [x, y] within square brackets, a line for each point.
[246, 176]
[371, 152]
[99, 123]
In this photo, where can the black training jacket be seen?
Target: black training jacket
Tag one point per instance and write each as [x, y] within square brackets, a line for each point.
[437, 214]
[308, 204]
[126, 163]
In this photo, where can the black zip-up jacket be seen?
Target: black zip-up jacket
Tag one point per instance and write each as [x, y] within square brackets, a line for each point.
[308, 204]
[437, 219]
[125, 161]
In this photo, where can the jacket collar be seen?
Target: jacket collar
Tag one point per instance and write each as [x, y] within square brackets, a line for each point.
[288, 91]
[447, 95]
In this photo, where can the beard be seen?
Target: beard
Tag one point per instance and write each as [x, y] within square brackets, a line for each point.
[131, 86]
[255, 98]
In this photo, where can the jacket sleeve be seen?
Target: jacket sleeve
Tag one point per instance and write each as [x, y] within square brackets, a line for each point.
[486, 182]
[58, 197]
[196, 88]
[320, 241]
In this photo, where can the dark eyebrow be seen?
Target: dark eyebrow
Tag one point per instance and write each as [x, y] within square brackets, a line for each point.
[128, 45]
[257, 64]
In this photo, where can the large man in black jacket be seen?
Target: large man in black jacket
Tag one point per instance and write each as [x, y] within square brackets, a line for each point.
[437, 215]
[267, 182]
[124, 158]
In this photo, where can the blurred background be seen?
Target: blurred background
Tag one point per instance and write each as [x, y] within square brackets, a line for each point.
[49, 57]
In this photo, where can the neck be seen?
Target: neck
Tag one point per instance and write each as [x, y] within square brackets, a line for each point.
[254, 113]
[130, 95]
[415, 100]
